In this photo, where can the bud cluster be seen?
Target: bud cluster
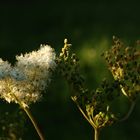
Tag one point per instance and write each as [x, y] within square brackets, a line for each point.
[69, 68]
[94, 104]
[124, 64]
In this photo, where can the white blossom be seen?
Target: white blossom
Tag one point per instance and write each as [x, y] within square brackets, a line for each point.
[29, 77]
[5, 68]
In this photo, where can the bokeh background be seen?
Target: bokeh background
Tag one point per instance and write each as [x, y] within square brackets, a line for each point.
[89, 25]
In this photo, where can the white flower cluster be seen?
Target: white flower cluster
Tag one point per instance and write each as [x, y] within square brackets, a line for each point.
[29, 77]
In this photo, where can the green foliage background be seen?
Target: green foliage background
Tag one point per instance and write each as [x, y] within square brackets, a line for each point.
[89, 25]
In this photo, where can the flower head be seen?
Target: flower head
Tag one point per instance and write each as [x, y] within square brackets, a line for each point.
[29, 77]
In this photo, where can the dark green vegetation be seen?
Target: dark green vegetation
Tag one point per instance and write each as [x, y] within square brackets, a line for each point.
[89, 26]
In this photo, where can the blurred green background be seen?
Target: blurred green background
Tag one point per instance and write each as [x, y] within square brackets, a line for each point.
[89, 25]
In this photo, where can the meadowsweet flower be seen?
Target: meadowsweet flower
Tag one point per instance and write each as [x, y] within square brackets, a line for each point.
[28, 78]
[37, 65]
[5, 68]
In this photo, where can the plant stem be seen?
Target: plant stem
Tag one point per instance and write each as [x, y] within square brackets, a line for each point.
[131, 107]
[83, 113]
[129, 112]
[30, 117]
[34, 123]
[96, 134]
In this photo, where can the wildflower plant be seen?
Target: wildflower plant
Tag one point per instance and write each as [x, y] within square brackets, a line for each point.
[24, 82]
[92, 104]
[95, 105]
[124, 64]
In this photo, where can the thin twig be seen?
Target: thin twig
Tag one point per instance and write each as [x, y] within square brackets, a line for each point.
[30, 117]
[34, 123]
[83, 113]
[126, 116]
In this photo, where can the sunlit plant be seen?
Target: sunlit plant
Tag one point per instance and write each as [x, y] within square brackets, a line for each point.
[24, 82]
[124, 64]
[95, 105]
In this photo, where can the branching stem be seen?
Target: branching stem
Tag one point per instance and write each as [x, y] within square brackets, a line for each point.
[83, 113]
[89, 119]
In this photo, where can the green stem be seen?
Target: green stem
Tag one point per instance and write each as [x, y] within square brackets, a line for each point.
[83, 113]
[131, 107]
[129, 112]
[30, 117]
[34, 123]
[96, 134]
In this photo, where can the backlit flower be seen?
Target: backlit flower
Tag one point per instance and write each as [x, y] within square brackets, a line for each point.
[29, 77]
